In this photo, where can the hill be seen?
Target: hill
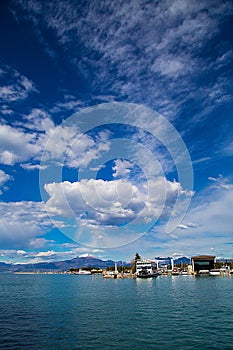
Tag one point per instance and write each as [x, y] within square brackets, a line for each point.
[79, 262]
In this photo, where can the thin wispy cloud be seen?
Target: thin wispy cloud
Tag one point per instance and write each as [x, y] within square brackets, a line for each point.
[149, 47]
[14, 86]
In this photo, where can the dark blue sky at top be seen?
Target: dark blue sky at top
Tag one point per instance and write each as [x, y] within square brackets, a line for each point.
[174, 57]
[23, 49]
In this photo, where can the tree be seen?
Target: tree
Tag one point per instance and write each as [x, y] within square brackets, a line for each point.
[74, 269]
[136, 258]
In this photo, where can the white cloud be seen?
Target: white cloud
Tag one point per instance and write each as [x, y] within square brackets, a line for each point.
[17, 233]
[33, 256]
[16, 145]
[111, 202]
[38, 243]
[228, 149]
[224, 60]
[26, 141]
[206, 228]
[187, 226]
[67, 146]
[14, 86]
[38, 120]
[172, 67]
[69, 104]
[29, 166]
[5, 110]
[21, 252]
[122, 168]
[28, 220]
[4, 177]
[209, 223]
[46, 254]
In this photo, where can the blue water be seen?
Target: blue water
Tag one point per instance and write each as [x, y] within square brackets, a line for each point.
[88, 312]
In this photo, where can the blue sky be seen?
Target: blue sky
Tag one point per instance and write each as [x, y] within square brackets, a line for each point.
[115, 129]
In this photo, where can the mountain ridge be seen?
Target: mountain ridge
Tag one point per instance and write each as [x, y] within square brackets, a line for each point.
[64, 265]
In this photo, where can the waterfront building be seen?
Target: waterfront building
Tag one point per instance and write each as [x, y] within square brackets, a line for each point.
[202, 263]
[163, 263]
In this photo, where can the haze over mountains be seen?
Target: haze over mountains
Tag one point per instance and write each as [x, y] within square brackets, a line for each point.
[79, 262]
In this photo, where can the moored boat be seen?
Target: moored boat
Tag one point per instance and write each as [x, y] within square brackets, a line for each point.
[203, 273]
[83, 272]
[146, 274]
[146, 269]
[214, 272]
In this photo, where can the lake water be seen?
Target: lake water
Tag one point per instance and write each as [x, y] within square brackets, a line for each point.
[87, 312]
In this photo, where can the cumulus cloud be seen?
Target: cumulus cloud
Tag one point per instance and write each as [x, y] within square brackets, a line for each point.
[38, 120]
[67, 146]
[27, 141]
[4, 177]
[122, 168]
[111, 202]
[95, 205]
[16, 145]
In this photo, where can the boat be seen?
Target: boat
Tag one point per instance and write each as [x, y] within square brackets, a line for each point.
[214, 272]
[84, 272]
[203, 273]
[146, 269]
[146, 274]
[225, 270]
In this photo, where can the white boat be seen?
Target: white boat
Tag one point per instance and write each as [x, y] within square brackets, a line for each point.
[225, 270]
[83, 272]
[146, 269]
[214, 272]
[203, 273]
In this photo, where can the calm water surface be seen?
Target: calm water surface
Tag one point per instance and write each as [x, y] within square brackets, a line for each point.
[87, 312]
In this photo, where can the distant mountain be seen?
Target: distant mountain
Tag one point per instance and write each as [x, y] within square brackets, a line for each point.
[182, 260]
[79, 262]
[4, 266]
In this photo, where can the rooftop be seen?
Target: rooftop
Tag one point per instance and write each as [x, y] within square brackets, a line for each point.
[203, 257]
